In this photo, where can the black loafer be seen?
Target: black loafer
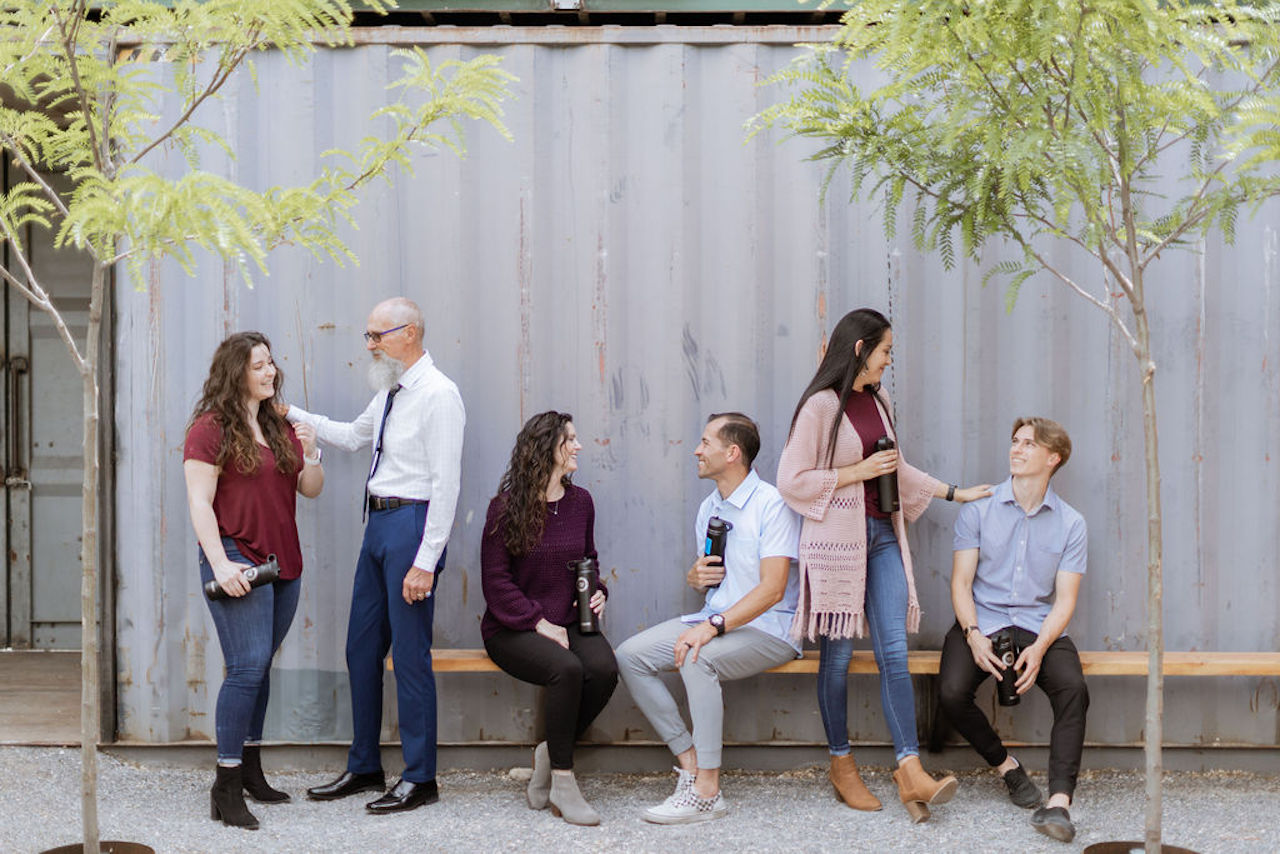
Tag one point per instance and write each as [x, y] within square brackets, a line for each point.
[405, 795]
[1022, 791]
[349, 784]
[1054, 822]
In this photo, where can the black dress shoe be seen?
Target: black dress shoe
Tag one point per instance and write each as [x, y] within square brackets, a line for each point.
[349, 784]
[1022, 791]
[405, 795]
[1054, 822]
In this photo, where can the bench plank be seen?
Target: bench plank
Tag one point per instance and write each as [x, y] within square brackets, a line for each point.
[925, 663]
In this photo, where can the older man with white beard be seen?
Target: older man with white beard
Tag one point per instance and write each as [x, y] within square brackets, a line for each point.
[415, 424]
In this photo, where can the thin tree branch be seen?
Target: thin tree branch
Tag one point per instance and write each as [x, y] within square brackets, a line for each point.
[12, 145]
[1195, 215]
[1107, 308]
[68, 43]
[227, 66]
[37, 296]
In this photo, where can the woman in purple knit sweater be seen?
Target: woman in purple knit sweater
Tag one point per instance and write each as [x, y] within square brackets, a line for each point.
[537, 523]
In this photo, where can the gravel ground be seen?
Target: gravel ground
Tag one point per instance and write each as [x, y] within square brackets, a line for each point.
[168, 809]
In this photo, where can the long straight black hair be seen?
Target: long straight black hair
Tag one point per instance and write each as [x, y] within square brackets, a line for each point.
[841, 364]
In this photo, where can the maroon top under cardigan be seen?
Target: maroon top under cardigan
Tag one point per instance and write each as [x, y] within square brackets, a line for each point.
[520, 591]
[257, 509]
[864, 414]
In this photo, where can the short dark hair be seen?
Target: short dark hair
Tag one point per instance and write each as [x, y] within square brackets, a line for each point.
[739, 430]
[1048, 434]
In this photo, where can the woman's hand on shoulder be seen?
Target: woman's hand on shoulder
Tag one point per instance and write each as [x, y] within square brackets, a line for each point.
[972, 493]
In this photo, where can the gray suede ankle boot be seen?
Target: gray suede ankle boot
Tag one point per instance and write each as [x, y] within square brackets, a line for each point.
[568, 803]
[540, 782]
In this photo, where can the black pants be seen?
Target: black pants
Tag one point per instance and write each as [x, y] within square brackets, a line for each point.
[579, 681]
[1060, 678]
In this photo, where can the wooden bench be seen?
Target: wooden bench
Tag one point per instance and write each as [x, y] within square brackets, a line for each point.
[925, 663]
[933, 726]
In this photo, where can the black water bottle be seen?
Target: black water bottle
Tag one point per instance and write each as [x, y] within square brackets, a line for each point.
[586, 581]
[263, 573]
[887, 484]
[717, 535]
[1002, 645]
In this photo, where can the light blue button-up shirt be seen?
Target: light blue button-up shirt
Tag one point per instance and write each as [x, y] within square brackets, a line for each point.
[1019, 555]
[763, 526]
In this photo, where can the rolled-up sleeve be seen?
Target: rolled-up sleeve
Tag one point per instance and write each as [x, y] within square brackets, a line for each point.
[446, 419]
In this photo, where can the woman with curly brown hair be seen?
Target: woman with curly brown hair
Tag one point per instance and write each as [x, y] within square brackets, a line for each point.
[243, 465]
[537, 523]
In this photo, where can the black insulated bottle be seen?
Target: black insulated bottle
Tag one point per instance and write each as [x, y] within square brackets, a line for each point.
[717, 535]
[586, 581]
[263, 573]
[887, 484]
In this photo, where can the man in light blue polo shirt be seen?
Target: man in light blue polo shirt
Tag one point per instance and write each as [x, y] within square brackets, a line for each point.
[742, 629]
[1019, 559]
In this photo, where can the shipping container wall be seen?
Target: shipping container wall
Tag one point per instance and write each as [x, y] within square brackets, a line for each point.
[631, 257]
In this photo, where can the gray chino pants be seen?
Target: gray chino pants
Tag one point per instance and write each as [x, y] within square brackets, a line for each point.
[738, 654]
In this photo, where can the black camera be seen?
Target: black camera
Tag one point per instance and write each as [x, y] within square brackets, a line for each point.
[887, 484]
[1006, 650]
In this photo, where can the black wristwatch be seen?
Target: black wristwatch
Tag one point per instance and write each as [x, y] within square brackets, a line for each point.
[717, 621]
[968, 629]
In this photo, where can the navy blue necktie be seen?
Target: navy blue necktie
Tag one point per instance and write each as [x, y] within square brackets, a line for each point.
[377, 448]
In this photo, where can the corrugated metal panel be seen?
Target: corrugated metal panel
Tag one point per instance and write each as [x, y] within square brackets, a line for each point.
[630, 259]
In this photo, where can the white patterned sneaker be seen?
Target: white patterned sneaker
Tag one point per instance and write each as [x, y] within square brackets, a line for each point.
[683, 781]
[686, 807]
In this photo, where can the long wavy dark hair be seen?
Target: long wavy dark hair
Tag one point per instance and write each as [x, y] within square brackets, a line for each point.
[224, 394]
[841, 365]
[525, 481]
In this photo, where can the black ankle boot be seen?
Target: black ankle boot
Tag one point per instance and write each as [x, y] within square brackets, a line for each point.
[255, 783]
[226, 800]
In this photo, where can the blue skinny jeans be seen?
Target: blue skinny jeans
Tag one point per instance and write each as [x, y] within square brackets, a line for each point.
[250, 630]
[886, 608]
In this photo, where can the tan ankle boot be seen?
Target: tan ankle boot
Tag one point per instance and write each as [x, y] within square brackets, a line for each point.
[849, 786]
[918, 790]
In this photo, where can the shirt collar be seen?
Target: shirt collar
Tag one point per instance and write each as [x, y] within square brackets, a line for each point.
[1004, 494]
[417, 371]
[740, 496]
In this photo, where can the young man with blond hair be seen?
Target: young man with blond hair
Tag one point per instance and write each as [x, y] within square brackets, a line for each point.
[1019, 558]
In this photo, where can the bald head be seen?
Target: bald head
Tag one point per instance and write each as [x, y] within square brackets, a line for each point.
[399, 310]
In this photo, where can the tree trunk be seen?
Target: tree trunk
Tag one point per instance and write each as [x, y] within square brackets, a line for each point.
[1155, 592]
[90, 714]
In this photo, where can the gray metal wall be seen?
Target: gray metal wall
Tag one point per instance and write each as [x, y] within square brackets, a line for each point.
[630, 259]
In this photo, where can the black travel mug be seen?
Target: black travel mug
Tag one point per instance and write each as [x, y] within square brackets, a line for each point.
[1002, 643]
[263, 573]
[586, 580]
[717, 535]
[887, 484]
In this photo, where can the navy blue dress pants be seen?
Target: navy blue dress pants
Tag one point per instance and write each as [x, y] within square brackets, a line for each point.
[382, 621]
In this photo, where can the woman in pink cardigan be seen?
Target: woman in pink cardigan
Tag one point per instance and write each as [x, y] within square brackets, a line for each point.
[855, 566]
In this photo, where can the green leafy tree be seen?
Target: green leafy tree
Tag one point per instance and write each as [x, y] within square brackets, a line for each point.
[81, 86]
[1031, 123]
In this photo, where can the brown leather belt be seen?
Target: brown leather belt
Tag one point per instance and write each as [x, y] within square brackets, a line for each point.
[376, 503]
